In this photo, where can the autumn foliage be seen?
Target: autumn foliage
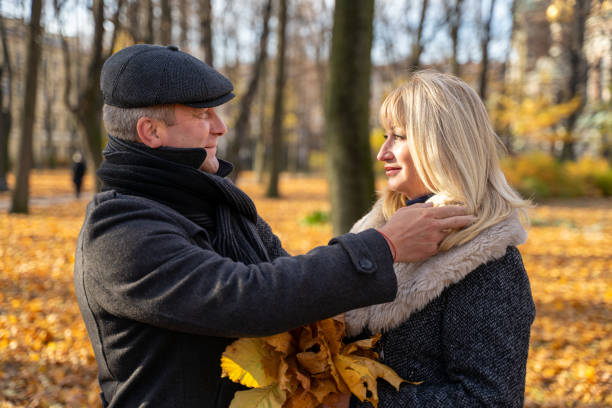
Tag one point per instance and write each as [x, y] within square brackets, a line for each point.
[305, 367]
[46, 359]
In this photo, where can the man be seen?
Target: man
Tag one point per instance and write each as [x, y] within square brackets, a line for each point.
[172, 261]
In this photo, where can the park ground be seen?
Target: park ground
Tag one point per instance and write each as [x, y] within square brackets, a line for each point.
[46, 359]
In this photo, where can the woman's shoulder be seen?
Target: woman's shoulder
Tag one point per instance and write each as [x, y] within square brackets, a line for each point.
[503, 279]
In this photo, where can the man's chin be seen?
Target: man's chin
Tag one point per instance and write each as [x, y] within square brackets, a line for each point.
[210, 166]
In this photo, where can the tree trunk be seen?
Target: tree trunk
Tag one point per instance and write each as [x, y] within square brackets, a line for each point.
[260, 144]
[277, 121]
[88, 109]
[206, 30]
[21, 194]
[184, 22]
[347, 112]
[578, 75]
[484, 46]
[5, 128]
[5, 109]
[417, 46]
[242, 124]
[133, 17]
[165, 26]
[50, 147]
[453, 17]
[149, 35]
[505, 132]
[49, 100]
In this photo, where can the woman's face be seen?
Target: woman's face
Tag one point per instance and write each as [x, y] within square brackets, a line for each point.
[399, 168]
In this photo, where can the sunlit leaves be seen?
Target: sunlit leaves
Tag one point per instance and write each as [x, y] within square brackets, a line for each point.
[534, 117]
[305, 367]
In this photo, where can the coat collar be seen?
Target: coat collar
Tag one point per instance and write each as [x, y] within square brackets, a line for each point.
[420, 283]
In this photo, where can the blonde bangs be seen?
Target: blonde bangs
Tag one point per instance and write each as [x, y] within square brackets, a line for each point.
[392, 112]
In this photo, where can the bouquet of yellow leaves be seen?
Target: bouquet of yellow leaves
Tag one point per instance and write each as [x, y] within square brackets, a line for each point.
[304, 368]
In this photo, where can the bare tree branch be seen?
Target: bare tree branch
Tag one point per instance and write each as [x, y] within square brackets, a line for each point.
[242, 124]
[116, 27]
[67, 72]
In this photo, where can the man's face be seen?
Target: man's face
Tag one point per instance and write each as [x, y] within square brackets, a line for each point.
[196, 127]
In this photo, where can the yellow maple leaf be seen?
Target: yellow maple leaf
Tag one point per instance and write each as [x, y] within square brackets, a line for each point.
[249, 362]
[267, 397]
[360, 374]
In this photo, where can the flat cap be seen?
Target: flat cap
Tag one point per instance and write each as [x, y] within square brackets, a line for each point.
[146, 75]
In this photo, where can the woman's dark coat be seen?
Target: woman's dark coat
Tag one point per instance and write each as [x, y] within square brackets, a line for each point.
[460, 324]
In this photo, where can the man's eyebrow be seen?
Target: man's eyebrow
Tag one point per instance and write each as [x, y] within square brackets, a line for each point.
[200, 112]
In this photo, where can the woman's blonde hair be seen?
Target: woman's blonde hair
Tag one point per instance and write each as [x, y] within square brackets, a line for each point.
[454, 149]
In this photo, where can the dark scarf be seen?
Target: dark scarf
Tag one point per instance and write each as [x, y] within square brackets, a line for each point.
[420, 199]
[171, 176]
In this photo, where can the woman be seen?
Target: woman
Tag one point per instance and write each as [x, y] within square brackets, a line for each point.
[461, 320]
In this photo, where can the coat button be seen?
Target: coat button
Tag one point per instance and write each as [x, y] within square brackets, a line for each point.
[366, 264]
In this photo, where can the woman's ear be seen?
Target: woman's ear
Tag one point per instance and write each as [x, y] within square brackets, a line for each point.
[150, 132]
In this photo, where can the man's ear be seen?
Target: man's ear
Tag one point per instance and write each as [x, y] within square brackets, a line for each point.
[150, 132]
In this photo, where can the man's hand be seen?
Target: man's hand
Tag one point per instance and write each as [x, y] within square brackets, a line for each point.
[417, 230]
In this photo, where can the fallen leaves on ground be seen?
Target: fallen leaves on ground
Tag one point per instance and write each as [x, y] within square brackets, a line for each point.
[46, 359]
[51, 183]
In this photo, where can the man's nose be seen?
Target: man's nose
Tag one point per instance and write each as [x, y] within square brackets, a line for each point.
[217, 127]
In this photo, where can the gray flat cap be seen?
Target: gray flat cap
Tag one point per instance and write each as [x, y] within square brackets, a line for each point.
[146, 75]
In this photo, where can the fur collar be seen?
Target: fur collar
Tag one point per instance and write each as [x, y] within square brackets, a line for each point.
[420, 283]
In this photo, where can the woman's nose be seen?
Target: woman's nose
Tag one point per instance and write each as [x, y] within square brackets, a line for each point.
[385, 153]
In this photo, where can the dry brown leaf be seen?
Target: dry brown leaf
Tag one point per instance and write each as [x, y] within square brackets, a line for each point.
[322, 388]
[301, 399]
[283, 343]
[333, 330]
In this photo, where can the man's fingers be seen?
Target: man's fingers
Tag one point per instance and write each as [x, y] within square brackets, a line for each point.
[456, 222]
[449, 211]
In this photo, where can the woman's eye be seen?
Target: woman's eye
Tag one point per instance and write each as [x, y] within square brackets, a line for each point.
[400, 137]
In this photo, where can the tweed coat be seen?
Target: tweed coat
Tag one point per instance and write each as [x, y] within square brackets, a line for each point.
[460, 323]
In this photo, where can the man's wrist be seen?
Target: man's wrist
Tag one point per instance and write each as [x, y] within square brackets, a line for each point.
[390, 243]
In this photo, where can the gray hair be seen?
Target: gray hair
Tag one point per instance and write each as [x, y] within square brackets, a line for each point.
[121, 122]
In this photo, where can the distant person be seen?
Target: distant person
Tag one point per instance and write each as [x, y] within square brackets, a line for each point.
[173, 261]
[78, 172]
[461, 320]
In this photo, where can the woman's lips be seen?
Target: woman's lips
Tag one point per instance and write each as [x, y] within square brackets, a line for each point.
[392, 171]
